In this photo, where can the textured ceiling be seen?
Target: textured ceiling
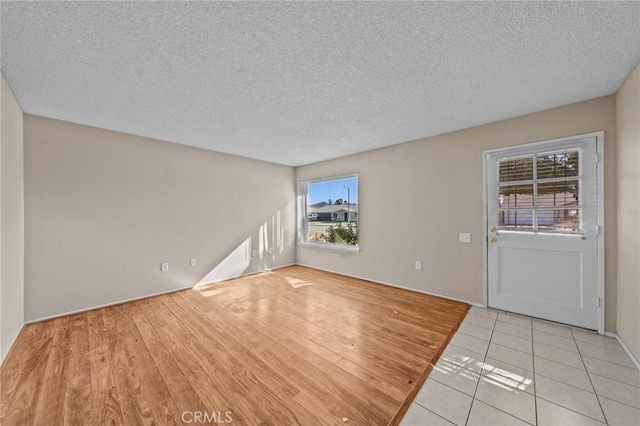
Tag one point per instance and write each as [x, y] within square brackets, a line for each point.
[296, 83]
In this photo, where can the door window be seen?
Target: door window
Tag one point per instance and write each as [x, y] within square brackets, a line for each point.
[541, 192]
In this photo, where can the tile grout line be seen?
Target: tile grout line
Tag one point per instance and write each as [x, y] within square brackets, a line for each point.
[533, 354]
[601, 346]
[548, 359]
[573, 338]
[469, 335]
[486, 356]
[553, 334]
[513, 365]
[435, 414]
[459, 367]
[567, 384]
[613, 380]
[610, 362]
[578, 387]
[559, 362]
[502, 411]
[475, 391]
[574, 386]
[610, 398]
[572, 410]
[590, 381]
[533, 361]
[445, 385]
[478, 325]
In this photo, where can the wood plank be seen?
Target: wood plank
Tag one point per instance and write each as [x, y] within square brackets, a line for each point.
[134, 408]
[161, 350]
[144, 384]
[22, 379]
[77, 402]
[50, 400]
[105, 405]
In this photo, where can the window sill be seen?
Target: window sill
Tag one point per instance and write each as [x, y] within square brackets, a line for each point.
[331, 246]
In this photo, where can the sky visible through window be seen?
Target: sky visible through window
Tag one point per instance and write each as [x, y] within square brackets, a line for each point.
[333, 189]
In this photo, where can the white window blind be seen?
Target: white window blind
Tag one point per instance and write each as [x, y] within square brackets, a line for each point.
[541, 192]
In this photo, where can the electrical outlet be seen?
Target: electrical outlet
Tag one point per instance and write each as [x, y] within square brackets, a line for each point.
[418, 265]
[254, 253]
[270, 250]
[194, 262]
[164, 266]
[464, 237]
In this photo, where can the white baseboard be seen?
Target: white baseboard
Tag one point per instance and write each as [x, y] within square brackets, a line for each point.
[476, 304]
[105, 305]
[625, 347]
[146, 296]
[11, 345]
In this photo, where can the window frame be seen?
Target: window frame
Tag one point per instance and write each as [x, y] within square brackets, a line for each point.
[303, 215]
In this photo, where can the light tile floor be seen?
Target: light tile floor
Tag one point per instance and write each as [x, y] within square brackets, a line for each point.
[506, 369]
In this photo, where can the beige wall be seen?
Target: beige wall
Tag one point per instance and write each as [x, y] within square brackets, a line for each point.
[416, 197]
[11, 220]
[104, 209]
[628, 174]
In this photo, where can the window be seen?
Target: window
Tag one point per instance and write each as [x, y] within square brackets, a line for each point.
[541, 192]
[329, 212]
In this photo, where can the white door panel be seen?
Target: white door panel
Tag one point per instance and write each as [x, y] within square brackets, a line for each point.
[542, 244]
[561, 284]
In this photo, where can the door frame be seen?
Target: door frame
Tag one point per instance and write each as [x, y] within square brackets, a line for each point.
[600, 212]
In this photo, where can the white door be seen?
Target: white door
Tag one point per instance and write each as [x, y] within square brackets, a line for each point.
[542, 222]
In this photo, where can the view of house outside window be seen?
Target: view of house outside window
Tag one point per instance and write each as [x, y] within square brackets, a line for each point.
[332, 211]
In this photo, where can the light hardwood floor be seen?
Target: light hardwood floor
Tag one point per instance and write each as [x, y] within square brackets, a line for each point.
[292, 346]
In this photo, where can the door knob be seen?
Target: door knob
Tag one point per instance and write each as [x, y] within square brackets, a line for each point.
[493, 239]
